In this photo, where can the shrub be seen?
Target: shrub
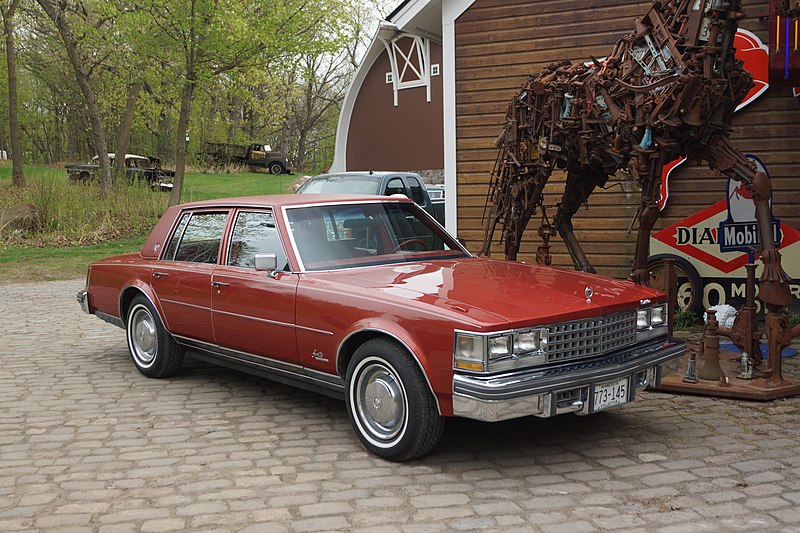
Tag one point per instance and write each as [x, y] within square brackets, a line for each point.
[685, 318]
[75, 213]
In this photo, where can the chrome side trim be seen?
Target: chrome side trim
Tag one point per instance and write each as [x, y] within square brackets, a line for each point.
[281, 371]
[314, 330]
[530, 392]
[273, 322]
[257, 319]
[408, 349]
[185, 304]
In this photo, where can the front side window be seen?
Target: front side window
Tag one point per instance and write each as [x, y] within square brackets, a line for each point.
[395, 186]
[201, 238]
[342, 236]
[416, 191]
[255, 233]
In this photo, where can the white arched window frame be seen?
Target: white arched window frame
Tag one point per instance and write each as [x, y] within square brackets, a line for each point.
[405, 72]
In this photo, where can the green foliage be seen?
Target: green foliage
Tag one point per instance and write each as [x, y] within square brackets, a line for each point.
[75, 214]
[793, 318]
[78, 226]
[259, 69]
[685, 319]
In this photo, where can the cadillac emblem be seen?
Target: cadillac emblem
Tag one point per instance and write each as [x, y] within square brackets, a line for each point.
[589, 293]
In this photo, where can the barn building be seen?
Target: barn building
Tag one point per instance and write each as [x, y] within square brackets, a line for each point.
[431, 97]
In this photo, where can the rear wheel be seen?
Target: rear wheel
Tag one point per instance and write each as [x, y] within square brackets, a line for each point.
[153, 350]
[389, 403]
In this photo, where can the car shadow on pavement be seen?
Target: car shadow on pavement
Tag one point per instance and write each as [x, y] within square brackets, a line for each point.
[527, 437]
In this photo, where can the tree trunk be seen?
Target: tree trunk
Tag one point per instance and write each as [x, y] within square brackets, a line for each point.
[124, 136]
[285, 137]
[302, 149]
[180, 152]
[98, 134]
[17, 177]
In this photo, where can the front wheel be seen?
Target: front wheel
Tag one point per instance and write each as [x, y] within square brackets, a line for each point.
[275, 168]
[153, 350]
[389, 403]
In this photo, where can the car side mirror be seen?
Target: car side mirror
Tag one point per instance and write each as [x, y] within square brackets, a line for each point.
[267, 263]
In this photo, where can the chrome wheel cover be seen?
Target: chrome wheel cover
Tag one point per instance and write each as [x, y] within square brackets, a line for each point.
[143, 337]
[380, 404]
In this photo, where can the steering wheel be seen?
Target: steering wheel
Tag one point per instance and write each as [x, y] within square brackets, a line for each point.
[410, 241]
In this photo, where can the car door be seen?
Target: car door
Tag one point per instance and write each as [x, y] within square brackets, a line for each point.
[253, 311]
[181, 279]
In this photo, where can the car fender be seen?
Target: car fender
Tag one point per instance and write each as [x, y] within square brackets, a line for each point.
[139, 286]
[378, 326]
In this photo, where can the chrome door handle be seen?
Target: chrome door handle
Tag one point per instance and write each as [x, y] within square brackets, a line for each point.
[160, 275]
[219, 284]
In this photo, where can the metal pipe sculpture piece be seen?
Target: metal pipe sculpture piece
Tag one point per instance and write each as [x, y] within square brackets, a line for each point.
[668, 89]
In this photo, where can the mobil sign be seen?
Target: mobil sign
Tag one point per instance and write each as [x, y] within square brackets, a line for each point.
[721, 239]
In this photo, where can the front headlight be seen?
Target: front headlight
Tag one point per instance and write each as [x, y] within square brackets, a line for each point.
[658, 316]
[498, 352]
[499, 346]
[651, 322]
[534, 340]
[470, 352]
[651, 317]
[642, 318]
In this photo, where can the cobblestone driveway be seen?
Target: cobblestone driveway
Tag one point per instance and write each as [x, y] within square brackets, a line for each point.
[88, 444]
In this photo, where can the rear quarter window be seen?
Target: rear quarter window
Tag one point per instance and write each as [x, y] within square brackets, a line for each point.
[200, 239]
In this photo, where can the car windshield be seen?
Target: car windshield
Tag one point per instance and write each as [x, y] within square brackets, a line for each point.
[341, 185]
[342, 236]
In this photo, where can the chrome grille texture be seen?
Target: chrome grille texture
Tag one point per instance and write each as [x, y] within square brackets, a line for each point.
[578, 339]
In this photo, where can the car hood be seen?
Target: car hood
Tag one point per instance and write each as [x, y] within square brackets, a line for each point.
[491, 293]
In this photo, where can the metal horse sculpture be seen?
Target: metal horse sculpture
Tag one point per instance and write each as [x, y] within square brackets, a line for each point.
[667, 89]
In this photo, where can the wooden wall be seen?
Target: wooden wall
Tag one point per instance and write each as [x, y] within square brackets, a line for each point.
[500, 42]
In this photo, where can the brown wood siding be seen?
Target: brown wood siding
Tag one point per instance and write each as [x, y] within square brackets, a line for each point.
[407, 137]
[500, 42]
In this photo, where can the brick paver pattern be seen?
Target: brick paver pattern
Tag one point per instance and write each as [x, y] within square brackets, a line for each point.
[89, 444]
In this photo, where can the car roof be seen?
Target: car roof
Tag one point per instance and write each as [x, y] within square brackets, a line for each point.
[365, 174]
[290, 200]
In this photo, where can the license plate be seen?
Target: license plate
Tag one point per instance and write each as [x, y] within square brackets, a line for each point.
[610, 394]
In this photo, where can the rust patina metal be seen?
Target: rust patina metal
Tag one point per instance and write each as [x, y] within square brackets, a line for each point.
[667, 89]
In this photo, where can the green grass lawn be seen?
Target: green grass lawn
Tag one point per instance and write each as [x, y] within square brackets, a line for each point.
[44, 258]
[20, 264]
[207, 186]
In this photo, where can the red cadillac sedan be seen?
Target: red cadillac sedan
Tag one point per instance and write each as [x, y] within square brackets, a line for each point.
[369, 299]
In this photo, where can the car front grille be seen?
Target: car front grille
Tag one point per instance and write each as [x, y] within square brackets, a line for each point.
[579, 339]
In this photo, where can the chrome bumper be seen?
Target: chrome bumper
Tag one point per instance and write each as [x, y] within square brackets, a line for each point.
[83, 299]
[551, 391]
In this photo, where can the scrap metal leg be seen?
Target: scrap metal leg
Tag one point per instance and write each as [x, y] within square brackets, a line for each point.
[526, 197]
[577, 190]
